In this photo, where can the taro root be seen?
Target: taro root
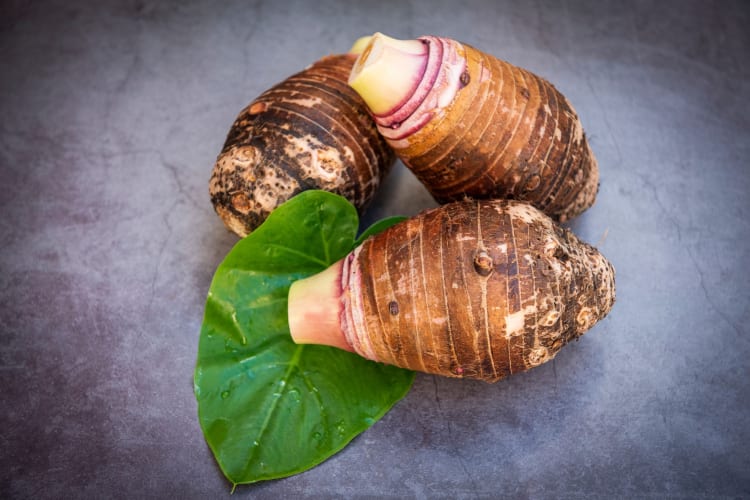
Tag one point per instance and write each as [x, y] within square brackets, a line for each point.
[311, 131]
[470, 125]
[476, 289]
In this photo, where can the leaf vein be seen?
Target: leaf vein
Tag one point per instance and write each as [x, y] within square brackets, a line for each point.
[293, 364]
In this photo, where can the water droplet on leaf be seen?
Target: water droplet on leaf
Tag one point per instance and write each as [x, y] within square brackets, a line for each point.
[294, 394]
[340, 427]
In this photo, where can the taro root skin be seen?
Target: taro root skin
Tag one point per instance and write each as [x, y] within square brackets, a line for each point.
[480, 127]
[311, 131]
[474, 289]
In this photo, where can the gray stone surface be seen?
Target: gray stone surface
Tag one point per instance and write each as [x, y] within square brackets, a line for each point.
[112, 115]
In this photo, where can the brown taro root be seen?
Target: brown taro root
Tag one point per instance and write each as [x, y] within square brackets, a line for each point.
[311, 131]
[478, 289]
[468, 124]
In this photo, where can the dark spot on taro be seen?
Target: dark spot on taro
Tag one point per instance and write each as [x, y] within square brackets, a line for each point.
[561, 255]
[483, 263]
[533, 182]
[525, 92]
[393, 307]
[465, 78]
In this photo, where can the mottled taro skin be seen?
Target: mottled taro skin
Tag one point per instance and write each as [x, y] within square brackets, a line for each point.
[311, 131]
[475, 289]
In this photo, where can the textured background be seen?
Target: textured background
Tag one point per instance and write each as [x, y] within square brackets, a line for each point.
[112, 116]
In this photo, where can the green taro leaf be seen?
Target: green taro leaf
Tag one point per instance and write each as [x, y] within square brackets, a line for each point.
[270, 408]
